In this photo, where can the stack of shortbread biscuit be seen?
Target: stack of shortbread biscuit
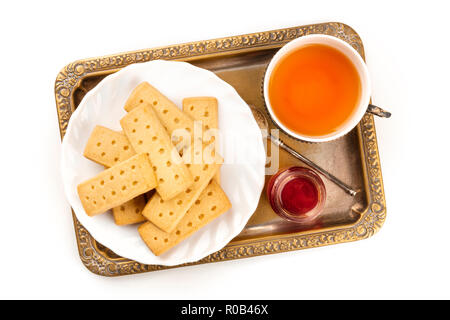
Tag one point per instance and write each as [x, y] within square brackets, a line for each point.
[158, 150]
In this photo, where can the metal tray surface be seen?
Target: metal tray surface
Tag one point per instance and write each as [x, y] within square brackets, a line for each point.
[241, 61]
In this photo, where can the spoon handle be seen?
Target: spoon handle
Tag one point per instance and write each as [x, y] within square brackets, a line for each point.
[378, 111]
[341, 184]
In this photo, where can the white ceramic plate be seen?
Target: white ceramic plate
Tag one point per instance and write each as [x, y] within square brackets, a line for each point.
[241, 145]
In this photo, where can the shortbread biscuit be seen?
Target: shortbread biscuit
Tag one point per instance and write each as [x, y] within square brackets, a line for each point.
[166, 214]
[146, 134]
[130, 212]
[211, 204]
[108, 147]
[170, 115]
[204, 109]
[117, 185]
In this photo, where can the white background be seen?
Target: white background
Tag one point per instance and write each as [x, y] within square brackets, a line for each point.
[407, 51]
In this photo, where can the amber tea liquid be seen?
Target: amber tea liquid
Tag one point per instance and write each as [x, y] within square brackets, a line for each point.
[314, 90]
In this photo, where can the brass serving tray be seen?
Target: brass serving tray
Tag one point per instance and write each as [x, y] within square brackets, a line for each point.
[241, 61]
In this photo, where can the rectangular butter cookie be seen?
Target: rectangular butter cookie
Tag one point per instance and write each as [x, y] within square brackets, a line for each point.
[117, 185]
[167, 214]
[108, 147]
[171, 116]
[146, 134]
[130, 212]
[204, 109]
[212, 203]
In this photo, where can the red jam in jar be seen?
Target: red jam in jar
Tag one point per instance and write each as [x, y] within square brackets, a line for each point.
[297, 194]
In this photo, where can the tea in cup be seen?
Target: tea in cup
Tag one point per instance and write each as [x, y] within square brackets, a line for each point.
[317, 88]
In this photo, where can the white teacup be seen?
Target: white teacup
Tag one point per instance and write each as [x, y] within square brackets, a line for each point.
[357, 61]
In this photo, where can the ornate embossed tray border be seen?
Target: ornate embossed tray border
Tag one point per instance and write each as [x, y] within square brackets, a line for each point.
[102, 261]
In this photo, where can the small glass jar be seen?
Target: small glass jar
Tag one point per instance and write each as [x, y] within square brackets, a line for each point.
[297, 194]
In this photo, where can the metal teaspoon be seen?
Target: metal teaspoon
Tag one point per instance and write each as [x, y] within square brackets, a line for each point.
[263, 124]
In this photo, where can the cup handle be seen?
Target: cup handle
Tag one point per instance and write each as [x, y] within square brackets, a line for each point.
[378, 111]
